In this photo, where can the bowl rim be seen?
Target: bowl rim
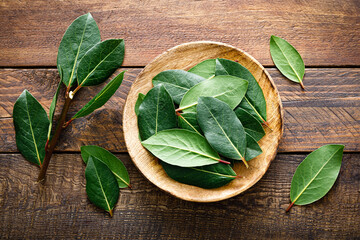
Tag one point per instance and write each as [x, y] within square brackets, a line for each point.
[234, 193]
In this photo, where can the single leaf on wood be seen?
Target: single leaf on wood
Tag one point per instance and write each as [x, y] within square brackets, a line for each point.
[80, 36]
[139, 100]
[222, 128]
[182, 148]
[156, 112]
[228, 89]
[316, 174]
[110, 160]
[254, 99]
[100, 62]
[252, 148]
[287, 59]
[31, 127]
[251, 125]
[211, 176]
[52, 109]
[101, 185]
[102, 97]
[189, 121]
[205, 69]
[177, 82]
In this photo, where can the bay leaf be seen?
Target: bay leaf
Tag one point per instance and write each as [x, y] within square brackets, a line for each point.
[252, 148]
[110, 160]
[254, 100]
[139, 100]
[222, 128]
[52, 109]
[177, 82]
[182, 148]
[156, 113]
[211, 176]
[316, 174]
[228, 89]
[102, 97]
[251, 125]
[189, 121]
[205, 69]
[100, 62]
[80, 36]
[31, 127]
[101, 185]
[287, 59]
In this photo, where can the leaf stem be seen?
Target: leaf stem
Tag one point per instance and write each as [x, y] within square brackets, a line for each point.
[290, 206]
[76, 89]
[50, 146]
[223, 161]
[302, 85]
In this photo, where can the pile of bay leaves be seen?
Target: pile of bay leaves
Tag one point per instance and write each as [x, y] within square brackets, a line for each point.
[199, 122]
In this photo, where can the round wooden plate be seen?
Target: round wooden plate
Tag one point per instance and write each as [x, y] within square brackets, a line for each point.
[184, 57]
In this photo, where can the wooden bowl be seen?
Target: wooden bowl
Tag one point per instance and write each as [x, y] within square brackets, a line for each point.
[184, 57]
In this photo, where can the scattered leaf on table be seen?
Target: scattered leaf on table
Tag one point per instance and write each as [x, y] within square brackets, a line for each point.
[316, 174]
[156, 113]
[110, 160]
[205, 69]
[139, 100]
[228, 89]
[101, 185]
[251, 125]
[31, 127]
[100, 62]
[287, 59]
[254, 100]
[102, 97]
[222, 128]
[252, 148]
[177, 82]
[211, 176]
[189, 121]
[181, 148]
[52, 109]
[80, 36]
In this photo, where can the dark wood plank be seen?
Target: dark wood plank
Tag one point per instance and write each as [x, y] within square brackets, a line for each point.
[327, 112]
[325, 32]
[61, 208]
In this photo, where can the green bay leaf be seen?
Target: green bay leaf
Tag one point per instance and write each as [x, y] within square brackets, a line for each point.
[181, 148]
[228, 89]
[100, 62]
[52, 109]
[156, 112]
[101, 185]
[252, 148]
[316, 174]
[80, 36]
[177, 82]
[31, 127]
[222, 128]
[205, 69]
[139, 100]
[287, 59]
[251, 125]
[110, 160]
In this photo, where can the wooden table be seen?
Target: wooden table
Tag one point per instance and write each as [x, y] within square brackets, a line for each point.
[327, 35]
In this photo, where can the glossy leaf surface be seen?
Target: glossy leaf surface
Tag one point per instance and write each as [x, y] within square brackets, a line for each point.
[252, 148]
[156, 113]
[80, 36]
[139, 100]
[52, 109]
[177, 82]
[110, 160]
[251, 125]
[221, 128]
[254, 99]
[205, 69]
[287, 59]
[212, 176]
[228, 89]
[189, 121]
[101, 98]
[182, 148]
[101, 185]
[31, 127]
[316, 174]
[100, 62]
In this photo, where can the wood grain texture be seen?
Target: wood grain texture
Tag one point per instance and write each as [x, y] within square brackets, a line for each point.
[325, 32]
[61, 210]
[327, 112]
